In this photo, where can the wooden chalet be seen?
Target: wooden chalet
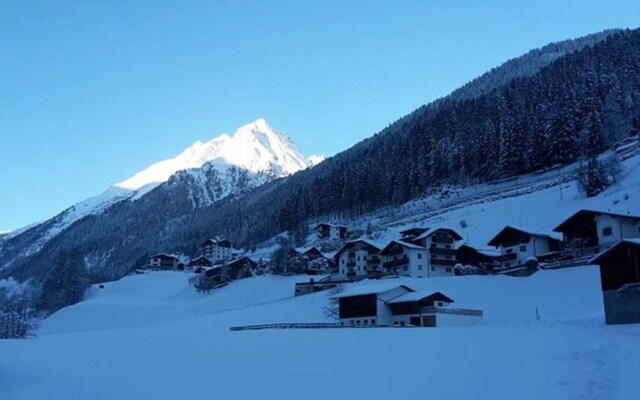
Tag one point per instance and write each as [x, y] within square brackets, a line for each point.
[517, 246]
[469, 255]
[331, 231]
[243, 267]
[388, 304]
[620, 281]
[202, 261]
[164, 261]
[412, 233]
[590, 231]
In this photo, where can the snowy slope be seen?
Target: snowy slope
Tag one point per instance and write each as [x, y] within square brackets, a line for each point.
[151, 336]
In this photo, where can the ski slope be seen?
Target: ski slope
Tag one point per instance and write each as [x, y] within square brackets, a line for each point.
[151, 336]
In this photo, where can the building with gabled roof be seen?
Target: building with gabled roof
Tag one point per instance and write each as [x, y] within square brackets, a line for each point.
[218, 249]
[164, 261]
[405, 259]
[358, 259]
[440, 242]
[517, 246]
[331, 231]
[592, 231]
[391, 304]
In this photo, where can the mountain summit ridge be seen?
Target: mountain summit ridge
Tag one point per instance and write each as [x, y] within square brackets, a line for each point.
[255, 146]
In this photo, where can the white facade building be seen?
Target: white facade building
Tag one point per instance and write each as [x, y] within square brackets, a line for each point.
[516, 246]
[405, 259]
[218, 250]
[391, 304]
[441, 244]
[358, 259]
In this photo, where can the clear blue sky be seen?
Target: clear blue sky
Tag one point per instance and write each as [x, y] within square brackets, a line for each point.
[93, 91]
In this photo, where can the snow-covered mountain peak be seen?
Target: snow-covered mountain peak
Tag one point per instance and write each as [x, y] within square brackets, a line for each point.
[256, 147]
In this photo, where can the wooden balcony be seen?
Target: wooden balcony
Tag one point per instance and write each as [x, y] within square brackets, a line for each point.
[442, 262]
[442, 239]
[396, 263]
[442, 251]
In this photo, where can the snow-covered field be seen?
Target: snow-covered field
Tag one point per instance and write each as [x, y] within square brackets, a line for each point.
[151, 336]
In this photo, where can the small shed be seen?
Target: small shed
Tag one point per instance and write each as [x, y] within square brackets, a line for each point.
[620, 280]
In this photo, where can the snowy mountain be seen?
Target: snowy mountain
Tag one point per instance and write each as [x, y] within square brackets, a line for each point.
[207, 171]
[255, 147]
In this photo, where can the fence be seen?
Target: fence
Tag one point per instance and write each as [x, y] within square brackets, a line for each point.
[299, 325]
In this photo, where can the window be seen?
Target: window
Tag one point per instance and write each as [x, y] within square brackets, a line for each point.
[433, 268]
[419, 267]
[509, 251]
[357, 321]
[523, 248]
[366, 321]
[608, 231]
[358, 258]
[448, 269]
[364, 258]
[373, 322]
[353, 322]
[396, 323]
[419, 256]
[343, 261]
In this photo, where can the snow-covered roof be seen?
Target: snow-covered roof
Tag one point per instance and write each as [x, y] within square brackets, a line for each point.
[635, 242]
[435, 229]
[417, 296]
[350, 243]
[584, 213]
[495, 240]
[403, 244]
[365, 287]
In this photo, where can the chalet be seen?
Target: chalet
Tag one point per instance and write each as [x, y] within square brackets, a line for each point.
[518, 246]
[589, 231]
[620, 281]
[218, 249]
[405, 259]
[163, 261]
[441, 244]
[469, 255]
[331, 231]
[202, 261]
[429, 310]
[358, 259]
[243, 267]
[312, 254]
[366, 304]
[391, 304]
[412, 233]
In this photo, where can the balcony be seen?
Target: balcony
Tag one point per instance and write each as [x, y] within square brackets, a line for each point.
[442, 239]
[506, 257]
[351, 264]
[396, 263]
[442, 251]
[443, 263]
[375, 261]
